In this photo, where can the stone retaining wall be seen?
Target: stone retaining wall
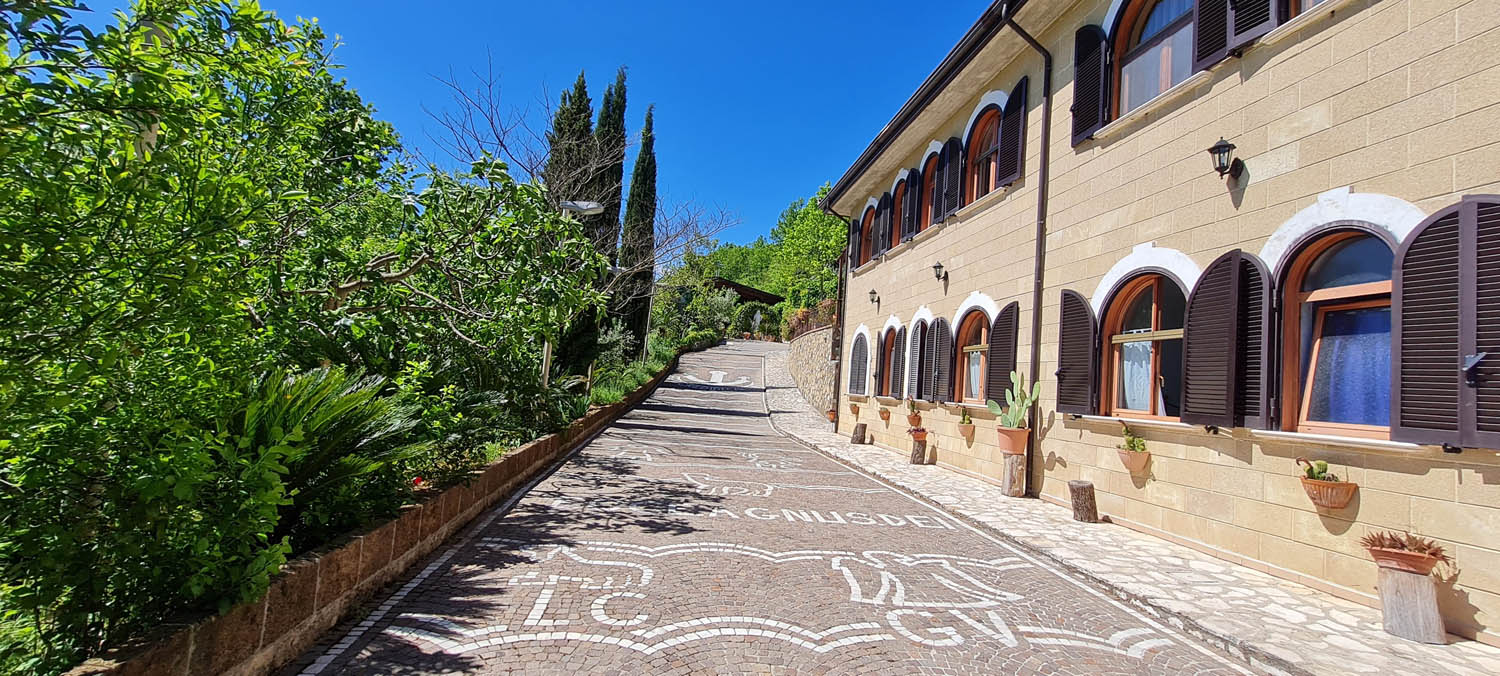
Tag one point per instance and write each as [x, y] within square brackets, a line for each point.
[315, 591]
[812, 369]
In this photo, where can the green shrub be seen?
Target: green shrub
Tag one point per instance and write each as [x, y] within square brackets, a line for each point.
[744, 318]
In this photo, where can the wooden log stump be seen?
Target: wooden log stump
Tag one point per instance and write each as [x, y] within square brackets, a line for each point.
[919, 452]
[1084, 507]
[1013, 483]
[1409, 604]
[858, 437]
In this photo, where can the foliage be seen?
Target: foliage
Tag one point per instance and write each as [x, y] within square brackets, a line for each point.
[801, 320]
[1132, 442]
[1317, 470]
[964, 418]
[911, 406]
[1405, 542]
[808, 244]
[1018, 402]
[745, 317]
[638, 241]
[609, 141]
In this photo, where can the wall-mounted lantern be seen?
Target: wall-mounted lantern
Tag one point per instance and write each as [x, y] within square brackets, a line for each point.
[937, 271]
[1224, 160]
[874, 297]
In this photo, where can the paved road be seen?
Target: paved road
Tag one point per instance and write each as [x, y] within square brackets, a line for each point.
[692, 537]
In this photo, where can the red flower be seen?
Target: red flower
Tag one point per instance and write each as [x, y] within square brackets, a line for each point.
[417, 481]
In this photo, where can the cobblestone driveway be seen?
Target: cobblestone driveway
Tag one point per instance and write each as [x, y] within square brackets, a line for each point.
[692, 537]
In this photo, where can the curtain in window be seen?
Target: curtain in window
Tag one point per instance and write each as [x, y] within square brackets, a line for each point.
[1352, 376]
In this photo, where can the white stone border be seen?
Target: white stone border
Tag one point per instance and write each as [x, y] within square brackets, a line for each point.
[874, 203]
[1147, 255]
[994, 96]
[1394, 215]
[976, 301]
[932, 149]
[891, 322]
[900, 176]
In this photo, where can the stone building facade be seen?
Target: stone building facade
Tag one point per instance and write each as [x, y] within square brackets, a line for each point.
[811, 367]
[1321, 299]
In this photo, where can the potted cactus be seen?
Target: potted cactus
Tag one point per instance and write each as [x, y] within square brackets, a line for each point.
[917, 434]
[1408, 596]
[1013, 416]
[1324, 487]
[965, 424]
[913, 418]
[1133, 451]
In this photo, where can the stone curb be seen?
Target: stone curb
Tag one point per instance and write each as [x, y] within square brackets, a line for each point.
[315, 591]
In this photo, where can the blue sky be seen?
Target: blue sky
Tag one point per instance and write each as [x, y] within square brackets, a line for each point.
[757, 103]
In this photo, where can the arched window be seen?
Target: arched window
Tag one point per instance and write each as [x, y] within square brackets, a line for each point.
[984, 149]
[899, 226]
[1154, 48]
[929, 190]
[973, 344]
[1336, 366]
[887, 368]
[1143, 349]
[867, 237]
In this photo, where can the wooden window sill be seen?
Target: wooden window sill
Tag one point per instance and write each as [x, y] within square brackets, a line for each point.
[982, 204]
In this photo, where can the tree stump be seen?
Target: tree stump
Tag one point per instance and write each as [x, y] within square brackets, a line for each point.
[1409, 606]
[858, 437]
[1084, 507]
[918, 452]
[1013, 483]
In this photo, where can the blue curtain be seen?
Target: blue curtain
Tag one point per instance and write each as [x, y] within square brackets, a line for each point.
[1352, 378]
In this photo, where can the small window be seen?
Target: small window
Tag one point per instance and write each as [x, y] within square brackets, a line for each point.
[1159, 52]
[1337, 366]
[973, 350]
[984, 150]
[899, 226]
[1143, 349]
[888, 373]
[929, 191]
[867, 237]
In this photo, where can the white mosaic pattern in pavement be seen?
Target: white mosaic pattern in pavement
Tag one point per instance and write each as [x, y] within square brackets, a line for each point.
[1281, 626]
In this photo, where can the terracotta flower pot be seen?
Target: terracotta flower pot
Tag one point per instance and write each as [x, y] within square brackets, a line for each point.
[918, 434]
[885, 414]
[966, 430]
[914, 419]
[746, 335]
[1012, 440]
[854, 408]
[1330, 494]
[1401, 559]
[1134, 461]
[832, 414]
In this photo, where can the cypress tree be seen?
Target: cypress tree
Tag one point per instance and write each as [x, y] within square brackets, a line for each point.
[638, 250]
[609, 143]
[570, 142]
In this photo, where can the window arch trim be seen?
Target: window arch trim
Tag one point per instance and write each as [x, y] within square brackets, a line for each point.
[1111, 316]
[971, 361]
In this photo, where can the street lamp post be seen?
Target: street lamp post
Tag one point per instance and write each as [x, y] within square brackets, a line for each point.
[574, 208]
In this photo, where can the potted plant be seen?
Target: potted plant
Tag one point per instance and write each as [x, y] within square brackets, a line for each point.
[854, 408]
[885, 414]
[832, 414]
[1324, 487]
[918, 433]
[965, 424]
[913, 418]
[1133, 451]
[1408, 596]
[1012, 417]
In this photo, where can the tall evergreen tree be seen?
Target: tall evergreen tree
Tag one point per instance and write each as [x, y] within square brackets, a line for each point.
[609, 165]
[570, 156]
[638, 245]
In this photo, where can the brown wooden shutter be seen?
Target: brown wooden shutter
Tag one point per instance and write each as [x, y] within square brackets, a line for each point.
[1210, 32]
[855, 240]
[880, 364]
[1090, 82]
[898, 363]
[1425, 354]
[1075, 355]
[939, 186]
[1001, 359]
[914, 361]
[1486, 317]
[1252, 19]
[1209, 345]
[929, 365]
[1011, 159]
[859, 364]
[1253, 354]
[942, 361]
[883, 223]
[953, 182]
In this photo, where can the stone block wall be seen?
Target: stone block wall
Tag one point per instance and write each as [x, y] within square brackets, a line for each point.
[812, 369]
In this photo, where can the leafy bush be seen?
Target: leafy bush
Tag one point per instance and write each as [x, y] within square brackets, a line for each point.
[745, 318]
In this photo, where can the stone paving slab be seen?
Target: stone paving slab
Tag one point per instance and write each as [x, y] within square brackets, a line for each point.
[1277, 625]
[692, 537]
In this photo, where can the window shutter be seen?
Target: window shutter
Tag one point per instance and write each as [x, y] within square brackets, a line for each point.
[880, 364]
[1012, 156]
[898, 365]
[1075, 356]
[929, 365]
[910, 204]
[939, 170]
[1445, 312]
[1002, 355]
[1210, 344]
[1252, 19]
[854, 243]
[883, 222]
[1252, 399]
[1210, 32]
[942, 361]
[1090, 82]
[953, 183]
[859, 363]
[1425, 353]
[914, 367]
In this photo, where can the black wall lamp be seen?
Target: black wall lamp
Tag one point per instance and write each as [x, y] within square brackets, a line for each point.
[937, 271]
[874, 297]
[1224, 160]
